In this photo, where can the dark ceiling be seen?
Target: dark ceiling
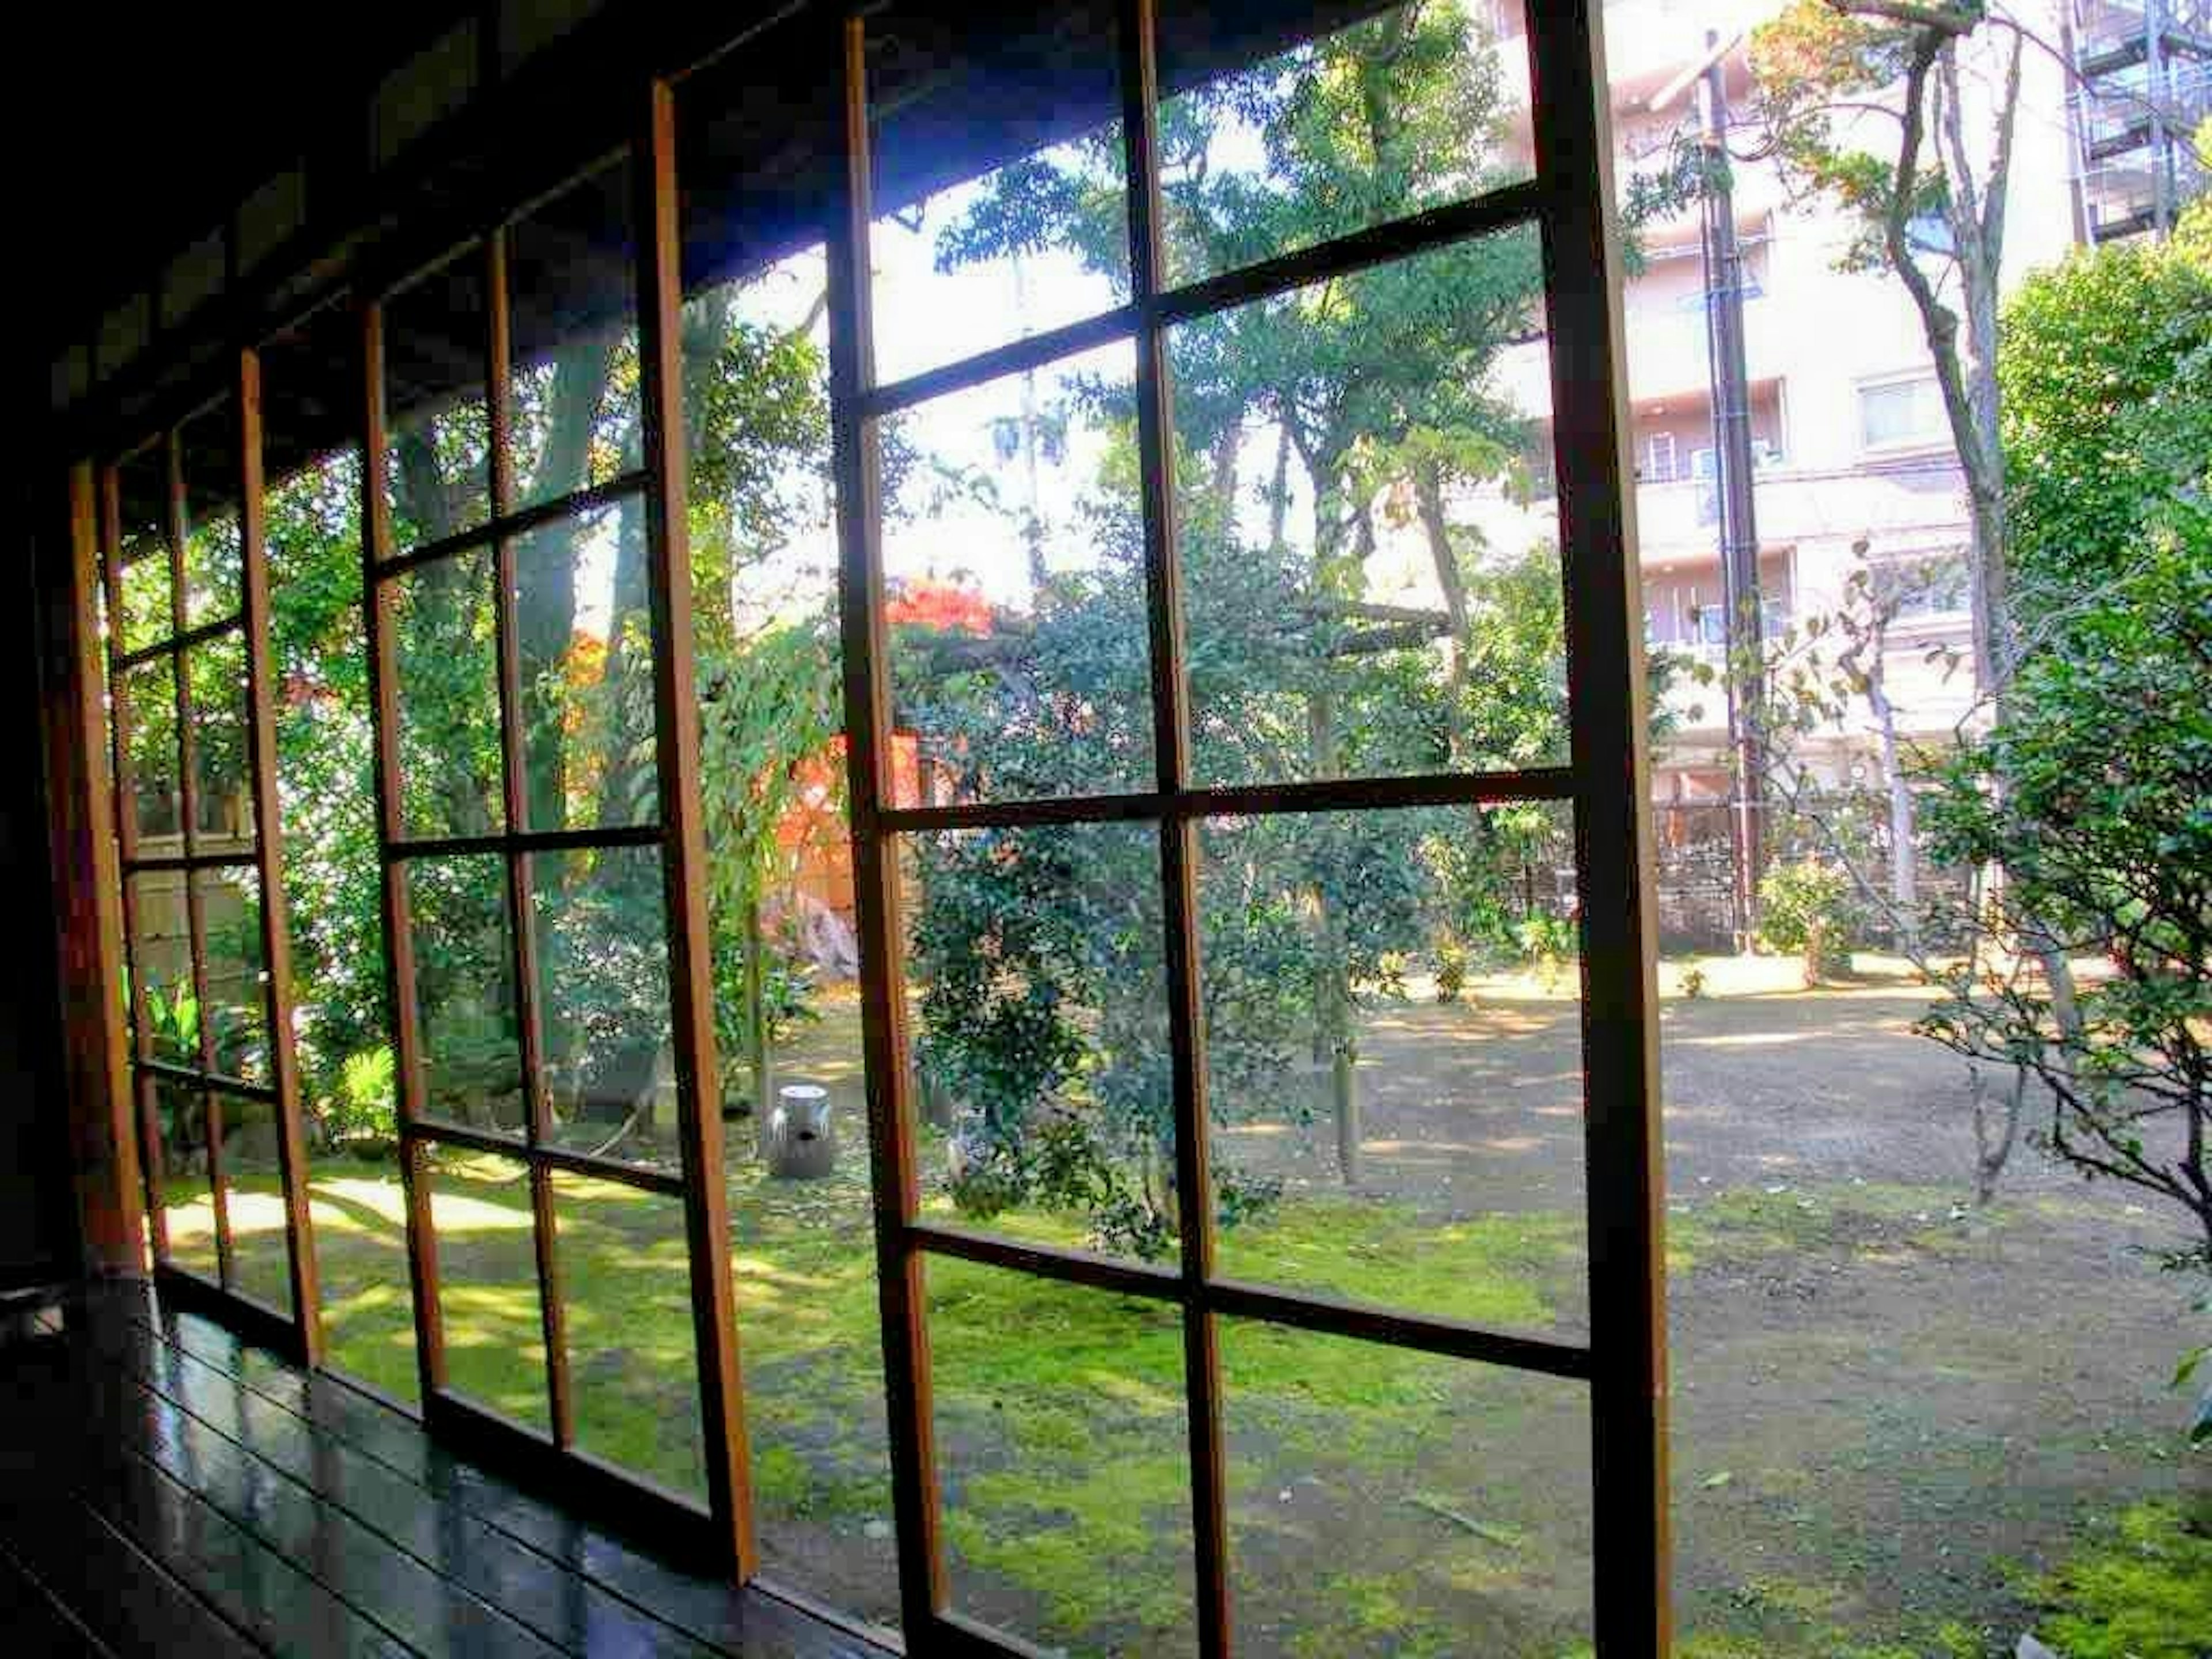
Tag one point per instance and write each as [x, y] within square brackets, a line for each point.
[138, 125]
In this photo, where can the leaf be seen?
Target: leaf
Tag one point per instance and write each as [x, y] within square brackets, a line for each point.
[1714, 1482]
[2190, 1362]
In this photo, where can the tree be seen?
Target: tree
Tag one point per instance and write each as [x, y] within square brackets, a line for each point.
[2106, 383]
[1368, 396]
[2104, 826]
[1864, 101]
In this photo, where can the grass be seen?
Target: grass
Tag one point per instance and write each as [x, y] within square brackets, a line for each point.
[1063, 1463]
[2139, 1587]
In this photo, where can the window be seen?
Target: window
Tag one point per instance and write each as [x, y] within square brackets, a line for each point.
[1924, 587]
[1060, 486]
[1658, 458]
[1901, 413]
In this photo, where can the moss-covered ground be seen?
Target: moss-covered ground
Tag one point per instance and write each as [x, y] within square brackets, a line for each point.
[1902, 1427]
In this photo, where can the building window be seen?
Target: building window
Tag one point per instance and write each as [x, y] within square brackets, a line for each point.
[1658, 463]
[1924, 587]
[1901, 413]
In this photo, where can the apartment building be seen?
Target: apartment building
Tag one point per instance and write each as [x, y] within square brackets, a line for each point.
[1854, 470]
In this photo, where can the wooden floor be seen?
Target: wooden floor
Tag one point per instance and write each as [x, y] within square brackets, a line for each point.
[165, 1488]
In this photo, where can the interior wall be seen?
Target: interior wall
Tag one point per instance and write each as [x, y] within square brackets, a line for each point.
[39, 1239]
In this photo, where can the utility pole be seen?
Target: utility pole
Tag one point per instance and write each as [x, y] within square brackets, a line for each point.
[1739, 526]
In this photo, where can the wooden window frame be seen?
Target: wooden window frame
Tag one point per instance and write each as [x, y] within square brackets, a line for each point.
[717, 1534]
[298, 1334]
[1623, 1365]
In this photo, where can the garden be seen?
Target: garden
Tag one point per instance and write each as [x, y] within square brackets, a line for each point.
[1923, 1372]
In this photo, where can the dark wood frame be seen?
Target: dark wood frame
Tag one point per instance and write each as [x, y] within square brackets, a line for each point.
[718, 1533]
[300, 1333]
[1623, 1365]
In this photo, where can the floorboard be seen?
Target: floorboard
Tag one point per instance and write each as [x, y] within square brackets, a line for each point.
[168, 1488]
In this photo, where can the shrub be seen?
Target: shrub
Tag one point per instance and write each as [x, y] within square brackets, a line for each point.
[1803, 907]
[362, 1108]
[1451, 970]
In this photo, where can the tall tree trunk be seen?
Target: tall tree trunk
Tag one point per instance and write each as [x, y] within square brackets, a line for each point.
[546, 601]
[1459, 645]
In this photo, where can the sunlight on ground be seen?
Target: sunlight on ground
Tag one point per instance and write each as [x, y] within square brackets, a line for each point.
[1062, 1451]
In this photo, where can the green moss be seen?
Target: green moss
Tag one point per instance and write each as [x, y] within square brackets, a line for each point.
[1737, 1224]
[1373, 1606]
[2141, 1587]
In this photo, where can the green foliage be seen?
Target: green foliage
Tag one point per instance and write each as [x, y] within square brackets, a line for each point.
[2140, 1589]
[1546, 939]
[1805, 907]
[1039, 951]
[364, 1106]
[1812, 58]
[2106, 380]
[2094, 793]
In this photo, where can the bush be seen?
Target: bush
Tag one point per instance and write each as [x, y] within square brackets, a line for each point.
[1546, 939]
[362, 1109]
[1803, 907]
[1451, 970]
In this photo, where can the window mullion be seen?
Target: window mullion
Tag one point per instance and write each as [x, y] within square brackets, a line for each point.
[683, 844]
[1178, 835]
[153, 1178]
[522, 933]
[1610, 738]
[922, 1586]
[398, 921]
[274, 921]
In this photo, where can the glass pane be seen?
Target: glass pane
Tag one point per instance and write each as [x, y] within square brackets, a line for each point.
[488, 1282]
[180, 1113]
[780, 907]
[1063, 1461]
[156, 771]
[633, 1360]
[445, 644]
[602, 1003]
[208, 446]
[1393, 1059]
[584, 632]
[253, 1193]
[237, 978]
[437, 469]
[221, 720]
[1370, 587]
[1270, 141]
[1383, 1502]
[162, 957]
[572, 274]
[1013, 560]
[341, 1035]
[1038, 989]
[359, 1208]
[465, 992]
[1000, 210]
[142, 486]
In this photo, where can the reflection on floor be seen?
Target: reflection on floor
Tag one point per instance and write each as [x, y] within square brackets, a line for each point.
[165, 1488]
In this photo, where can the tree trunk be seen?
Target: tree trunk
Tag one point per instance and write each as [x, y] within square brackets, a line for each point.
[1429, 496]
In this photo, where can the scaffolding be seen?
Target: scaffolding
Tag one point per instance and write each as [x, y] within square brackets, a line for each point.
[2141, 90]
